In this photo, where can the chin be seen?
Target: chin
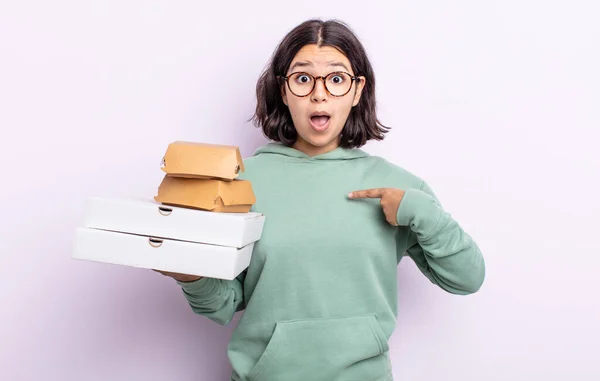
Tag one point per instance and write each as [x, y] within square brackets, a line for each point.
[321, 141]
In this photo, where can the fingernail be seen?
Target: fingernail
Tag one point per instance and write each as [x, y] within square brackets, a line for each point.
[350, 195]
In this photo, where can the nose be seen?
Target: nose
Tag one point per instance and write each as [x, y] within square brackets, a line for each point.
[319, 94]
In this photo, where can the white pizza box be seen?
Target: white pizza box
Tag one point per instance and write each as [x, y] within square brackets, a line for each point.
[151, 218]
[149, 252]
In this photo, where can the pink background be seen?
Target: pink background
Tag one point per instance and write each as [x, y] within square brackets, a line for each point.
[495, 103]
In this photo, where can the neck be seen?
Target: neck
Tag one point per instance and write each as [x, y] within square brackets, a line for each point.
[312, 150]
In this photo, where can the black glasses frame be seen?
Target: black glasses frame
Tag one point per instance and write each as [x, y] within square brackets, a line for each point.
[315, 79]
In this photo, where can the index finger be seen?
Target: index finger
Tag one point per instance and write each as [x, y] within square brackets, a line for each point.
[367, 193]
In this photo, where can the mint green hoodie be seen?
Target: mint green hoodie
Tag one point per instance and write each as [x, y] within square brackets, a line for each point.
[320, 295]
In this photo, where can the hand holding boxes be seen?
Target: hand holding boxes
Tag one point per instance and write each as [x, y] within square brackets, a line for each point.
[199, 222]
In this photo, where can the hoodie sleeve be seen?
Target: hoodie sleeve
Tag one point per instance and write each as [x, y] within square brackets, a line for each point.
[442, 251]
[217, 299]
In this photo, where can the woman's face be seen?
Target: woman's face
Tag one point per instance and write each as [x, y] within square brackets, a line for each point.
[320, 117]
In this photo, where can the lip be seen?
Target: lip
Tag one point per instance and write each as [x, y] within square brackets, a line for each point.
[319, 128]
[320, 113]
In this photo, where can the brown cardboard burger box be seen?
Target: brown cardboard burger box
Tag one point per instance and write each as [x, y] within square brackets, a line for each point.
[234, 196]
[203, 176]
[202, 161]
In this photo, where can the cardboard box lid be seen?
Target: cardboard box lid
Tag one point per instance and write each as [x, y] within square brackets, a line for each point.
[203, 193]
[148, 217]
[202, 160]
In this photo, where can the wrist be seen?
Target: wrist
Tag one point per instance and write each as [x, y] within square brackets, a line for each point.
[188, 278]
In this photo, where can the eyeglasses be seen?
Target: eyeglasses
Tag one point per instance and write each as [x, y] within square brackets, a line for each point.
[337, 83]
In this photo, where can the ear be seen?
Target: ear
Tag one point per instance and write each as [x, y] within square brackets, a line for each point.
[284, 94]
[360, 85]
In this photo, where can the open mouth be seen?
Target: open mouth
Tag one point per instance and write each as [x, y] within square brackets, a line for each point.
[320, 121]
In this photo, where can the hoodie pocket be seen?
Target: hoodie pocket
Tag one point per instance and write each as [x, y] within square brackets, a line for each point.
[323, 349]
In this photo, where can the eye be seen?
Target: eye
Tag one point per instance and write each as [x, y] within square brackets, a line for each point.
[303, 78]
[337, 79]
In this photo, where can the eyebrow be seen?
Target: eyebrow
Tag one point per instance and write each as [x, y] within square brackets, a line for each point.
[310, 64]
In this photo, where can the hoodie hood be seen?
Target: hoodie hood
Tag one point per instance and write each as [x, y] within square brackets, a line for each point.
[336, 154]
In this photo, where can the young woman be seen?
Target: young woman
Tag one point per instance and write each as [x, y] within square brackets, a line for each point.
[320, 294]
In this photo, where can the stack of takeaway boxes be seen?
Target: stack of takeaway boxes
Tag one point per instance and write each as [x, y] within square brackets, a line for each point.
[199, 223]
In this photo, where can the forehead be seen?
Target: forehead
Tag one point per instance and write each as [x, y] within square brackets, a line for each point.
[320, 56]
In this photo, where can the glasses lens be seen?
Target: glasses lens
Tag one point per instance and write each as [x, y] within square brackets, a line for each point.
[338, 83]
[301, 84]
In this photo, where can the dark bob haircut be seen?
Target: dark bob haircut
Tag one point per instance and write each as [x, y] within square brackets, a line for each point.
[274, 116]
